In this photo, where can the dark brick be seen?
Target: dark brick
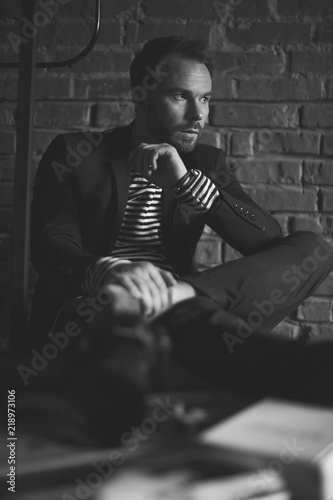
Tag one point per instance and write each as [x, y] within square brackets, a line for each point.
[8, 56]
[307, 63]
[318, 115]
[326, 288]
[6, 219]
[254, 115]
[71, 34]
[250, 63]
[268, 141]
[257, 171]
[6, 194]
[280, 89]
[52, 87]
[330, 88]
[7, 168]
[270, 34]
[327, 222]
[230, 253]
[325, 331]
[315, 309]
[211, 137]
[328, 144]
[321, 8]
[7, 142]
[8, 88]
[8, 35]
[100, 61]
[7, 114]
[305, 223]
[184, 9]
[223, 87]
[102, 88]
[256, 9]
[325, 33]
[288, 330]
[79, 34]
[287, 8]
[326, 200]
[283, 221]
[242, 143]
[288, 198]
[5, 273]
[52, 114]
[10, 9]
[110, 34]
[113, 114]
[6, 246]
[208, 252]
[319, 173]
[112, 10]
[42, 139]
[83, 8]
[147, 31]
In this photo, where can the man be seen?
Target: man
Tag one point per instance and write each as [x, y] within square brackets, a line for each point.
[124, 217]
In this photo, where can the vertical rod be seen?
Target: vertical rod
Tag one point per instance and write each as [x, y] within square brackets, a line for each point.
[22, 187]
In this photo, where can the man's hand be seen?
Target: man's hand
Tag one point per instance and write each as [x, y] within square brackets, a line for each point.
[159, 163]
[145, 282]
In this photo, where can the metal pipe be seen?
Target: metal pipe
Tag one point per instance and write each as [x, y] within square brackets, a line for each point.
[21, 242]
[20, 269]
[73, 60]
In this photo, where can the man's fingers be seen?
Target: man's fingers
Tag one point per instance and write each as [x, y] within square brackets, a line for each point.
[161, 287]
[147, 283]
[127, 282]
[144, 158]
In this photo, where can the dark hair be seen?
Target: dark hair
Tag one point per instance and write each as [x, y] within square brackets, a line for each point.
[156, 50]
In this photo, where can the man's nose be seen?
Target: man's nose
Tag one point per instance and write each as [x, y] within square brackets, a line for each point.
[195, 111]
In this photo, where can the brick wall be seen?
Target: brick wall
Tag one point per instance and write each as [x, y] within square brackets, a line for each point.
[272, 107]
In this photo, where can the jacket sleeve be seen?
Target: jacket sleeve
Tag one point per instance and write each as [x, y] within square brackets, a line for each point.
[236, 217]
[56, 246]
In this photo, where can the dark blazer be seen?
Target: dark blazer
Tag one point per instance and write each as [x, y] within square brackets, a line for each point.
[80, 195]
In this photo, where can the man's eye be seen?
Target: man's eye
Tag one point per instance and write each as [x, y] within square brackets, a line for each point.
[180, 97]
[206, 98]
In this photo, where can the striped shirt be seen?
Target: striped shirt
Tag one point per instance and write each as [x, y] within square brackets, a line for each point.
[140, 237]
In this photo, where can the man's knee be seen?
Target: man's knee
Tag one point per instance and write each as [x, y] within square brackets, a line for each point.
[311, 243]
[314, 253]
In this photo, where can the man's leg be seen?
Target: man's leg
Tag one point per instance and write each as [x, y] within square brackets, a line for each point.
[265, 287]
[228, 339]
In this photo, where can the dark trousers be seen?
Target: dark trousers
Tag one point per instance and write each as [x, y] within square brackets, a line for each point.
[224, 333]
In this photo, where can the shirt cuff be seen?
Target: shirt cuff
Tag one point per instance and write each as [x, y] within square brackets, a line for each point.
[197, 191]
[99, 273]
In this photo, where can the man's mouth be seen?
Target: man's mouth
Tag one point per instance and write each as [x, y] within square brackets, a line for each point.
[190, 131]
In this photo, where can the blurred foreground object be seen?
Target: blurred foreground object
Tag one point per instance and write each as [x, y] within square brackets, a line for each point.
[291, 439]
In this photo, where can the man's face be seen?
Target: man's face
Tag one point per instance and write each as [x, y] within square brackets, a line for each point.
[177, 110]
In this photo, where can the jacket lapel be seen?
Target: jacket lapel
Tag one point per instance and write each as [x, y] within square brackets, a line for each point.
[118, 150]
[122, 177]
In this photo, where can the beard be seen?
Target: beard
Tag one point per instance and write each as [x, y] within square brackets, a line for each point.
[183, 143]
